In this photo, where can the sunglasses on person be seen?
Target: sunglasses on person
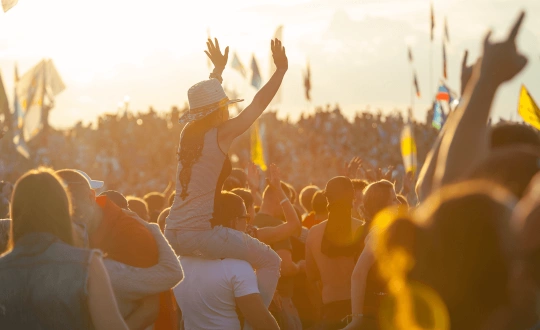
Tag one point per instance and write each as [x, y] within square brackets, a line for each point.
[243, 217]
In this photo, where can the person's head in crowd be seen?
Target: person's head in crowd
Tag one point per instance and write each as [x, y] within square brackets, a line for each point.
[237, 179]
[320, 204]
[233, 212]
[465, 251]
[270, 200]
[513, 167]
[156, 203]
[116, 197]
[139, 206]
[359, 186]
[83, 197]
[292, 194]
[512, 134]
[40, 204]
[171, 198]
[338, 237]
[306, 196]
[162, 217]
[5, 229]
[248, 201]
[378, 196]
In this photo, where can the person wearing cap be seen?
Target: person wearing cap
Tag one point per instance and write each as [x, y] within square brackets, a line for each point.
[139, 260]
[332, 247]
[203, 166]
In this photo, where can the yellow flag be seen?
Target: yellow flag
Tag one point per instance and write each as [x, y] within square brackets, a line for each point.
[408, 149]
[527, 109]
[257, 152]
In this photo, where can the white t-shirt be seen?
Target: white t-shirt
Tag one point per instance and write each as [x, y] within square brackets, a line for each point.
[207, 294]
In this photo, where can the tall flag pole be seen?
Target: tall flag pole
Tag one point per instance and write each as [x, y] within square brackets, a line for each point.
[256, 80]
[307, 82]
[446, 34]
[445, 73]
[446, 40]
[432, 35]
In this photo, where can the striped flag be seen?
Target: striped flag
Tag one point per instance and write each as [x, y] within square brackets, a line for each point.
[443, 94]
[238, 66]
[416, 85]
[257, 150]
[408, 148]
[256, 80]
[307, 82]
[438, 116]
[432, 21]
[445, 73]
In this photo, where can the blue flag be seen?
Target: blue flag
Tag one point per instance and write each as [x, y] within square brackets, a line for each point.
[256, 79]
[438, 116]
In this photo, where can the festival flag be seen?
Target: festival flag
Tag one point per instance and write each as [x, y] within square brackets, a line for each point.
[410, 54]
[277, 35]
[307, 82]
[257, 151]
[237, 65]
[18, 139]
[443, 94]
[432, 21]
[408, 148]
[445, 73]
[446, 34]
[8, 4]
[36, 91]
[416, 85]
[438, 116]
[256, 79]
[527, 108]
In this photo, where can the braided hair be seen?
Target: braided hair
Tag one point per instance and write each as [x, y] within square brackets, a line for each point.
[191, 146]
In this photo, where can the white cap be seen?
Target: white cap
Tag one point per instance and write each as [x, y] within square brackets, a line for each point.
[94, 184]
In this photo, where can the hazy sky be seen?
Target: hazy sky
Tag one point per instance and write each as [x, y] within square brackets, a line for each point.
[153, 50]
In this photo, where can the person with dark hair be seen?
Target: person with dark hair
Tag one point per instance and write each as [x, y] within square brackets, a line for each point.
[513, 134]
[156, 203]
[140, 262]
[214, 290]
[237, 179]
[247, 197]
[367, 286]
[275, 206]
[162, 218]
[331, 251]
[139, 206]
[203, 166]
[320, 211]
[306, 196]
[46, 282]
[117, 198]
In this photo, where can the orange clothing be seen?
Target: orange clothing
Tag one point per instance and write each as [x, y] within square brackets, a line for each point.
[168, 312]
[123, 238]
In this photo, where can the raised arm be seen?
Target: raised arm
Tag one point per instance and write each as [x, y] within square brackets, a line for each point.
[466, 142]
[292, 223]
[232, 128]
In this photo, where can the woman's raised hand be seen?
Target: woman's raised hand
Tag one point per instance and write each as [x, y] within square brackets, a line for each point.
[214, 53]
[278, 53]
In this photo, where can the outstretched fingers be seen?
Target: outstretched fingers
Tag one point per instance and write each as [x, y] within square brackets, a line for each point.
[517, 26]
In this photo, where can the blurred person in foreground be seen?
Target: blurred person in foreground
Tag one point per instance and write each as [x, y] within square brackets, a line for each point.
[214, 290]
[332, 248]
[45, 281]
[140, 262]
[204, 164]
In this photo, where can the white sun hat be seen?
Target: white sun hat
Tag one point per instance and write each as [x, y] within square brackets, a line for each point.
[204, 98]
[94, 184]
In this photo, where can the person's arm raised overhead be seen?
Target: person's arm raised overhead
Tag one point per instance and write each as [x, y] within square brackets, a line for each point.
[467, 141]
[101, 301]
[292, 224]
[234, 127]
[219, 60]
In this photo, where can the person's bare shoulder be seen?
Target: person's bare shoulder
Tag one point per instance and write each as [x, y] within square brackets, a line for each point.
[315, 233]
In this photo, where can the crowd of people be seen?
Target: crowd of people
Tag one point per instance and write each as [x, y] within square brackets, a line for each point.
[325, 239]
